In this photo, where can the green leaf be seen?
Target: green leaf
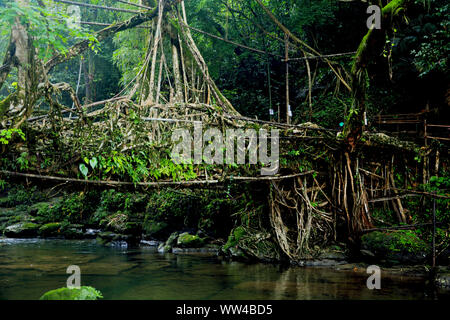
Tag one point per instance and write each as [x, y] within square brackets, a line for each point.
[93, 162]
[84, 170]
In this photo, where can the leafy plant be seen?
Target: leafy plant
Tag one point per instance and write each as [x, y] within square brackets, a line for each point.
[82, 293]
[48, 27]
[22, 161]
[6, 135]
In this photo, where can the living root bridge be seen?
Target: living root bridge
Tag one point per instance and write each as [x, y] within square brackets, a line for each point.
[158, 184]
[134, 128]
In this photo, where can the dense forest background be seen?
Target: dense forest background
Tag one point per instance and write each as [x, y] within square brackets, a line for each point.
[411, 74]
[343, 184]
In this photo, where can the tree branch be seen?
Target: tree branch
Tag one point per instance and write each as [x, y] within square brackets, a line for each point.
[103, 34]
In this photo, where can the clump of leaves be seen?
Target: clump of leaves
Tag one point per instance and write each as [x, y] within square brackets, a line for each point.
[7, 134]
[82, 293]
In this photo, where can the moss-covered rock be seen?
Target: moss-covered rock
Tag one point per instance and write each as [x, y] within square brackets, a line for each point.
[251, 244]
[22, 230]
[167, 246]
[335, 252]
[108, 237]
[82, 293]
[234, 237]
[186, 240]
[52, 229]
[164, 248]
[73, 231]
[394, 247]
[172, 240]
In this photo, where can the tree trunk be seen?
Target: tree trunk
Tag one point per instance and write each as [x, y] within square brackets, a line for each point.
[176, 71]
[369, 48]
[27, 71]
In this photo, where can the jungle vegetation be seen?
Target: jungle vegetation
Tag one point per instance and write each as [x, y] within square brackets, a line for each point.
[233, 63]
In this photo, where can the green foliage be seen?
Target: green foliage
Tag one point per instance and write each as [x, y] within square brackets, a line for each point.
[432, 54]
[84, 170]
[82, 293]
[137, 167]
[395, 241]
[20, 195]
[172, 208]
[243, 76]
[115, 208]
[48, 27]
[440, 186]
[7, 134]
[129, 54]
[328, 109]
[72, 208]
[22, 161]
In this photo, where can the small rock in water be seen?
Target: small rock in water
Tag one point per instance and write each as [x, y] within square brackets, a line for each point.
[195, 250]
[120, 244]
[150, 243]
[91, 233]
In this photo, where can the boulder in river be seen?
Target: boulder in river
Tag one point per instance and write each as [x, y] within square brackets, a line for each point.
[167, 246]
[52, 229]
[73, 231]
[186, 240]
[107, 237]
[22, 230]
[172, 239]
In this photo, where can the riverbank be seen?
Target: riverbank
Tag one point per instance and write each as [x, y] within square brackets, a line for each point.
[183, 222]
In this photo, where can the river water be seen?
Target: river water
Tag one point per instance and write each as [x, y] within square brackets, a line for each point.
[29, 268]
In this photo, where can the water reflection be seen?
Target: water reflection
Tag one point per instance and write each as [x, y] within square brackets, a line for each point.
[28, 268]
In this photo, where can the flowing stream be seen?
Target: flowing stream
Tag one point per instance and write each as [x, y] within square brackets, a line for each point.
[29, 268]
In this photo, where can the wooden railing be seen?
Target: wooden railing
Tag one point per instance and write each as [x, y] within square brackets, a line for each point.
[423, 129]
[427, 131]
